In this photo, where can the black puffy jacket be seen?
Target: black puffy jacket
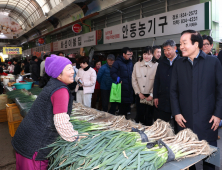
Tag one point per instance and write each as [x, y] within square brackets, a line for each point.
[123, 68]
[34, 69]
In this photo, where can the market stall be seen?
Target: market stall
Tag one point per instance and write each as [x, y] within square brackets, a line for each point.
[111, 139]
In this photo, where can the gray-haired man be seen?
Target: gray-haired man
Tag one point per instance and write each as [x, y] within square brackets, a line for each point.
[161, 90]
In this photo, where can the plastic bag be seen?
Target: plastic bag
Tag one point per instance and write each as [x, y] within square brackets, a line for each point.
[115, 94]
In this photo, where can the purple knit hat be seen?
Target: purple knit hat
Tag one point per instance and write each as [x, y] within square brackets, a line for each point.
[54, 65]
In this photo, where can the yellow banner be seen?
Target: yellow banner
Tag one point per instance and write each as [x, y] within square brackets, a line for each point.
[12, 50]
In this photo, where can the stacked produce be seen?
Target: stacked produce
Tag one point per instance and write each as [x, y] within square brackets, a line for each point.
[111, 145]
[25, 97]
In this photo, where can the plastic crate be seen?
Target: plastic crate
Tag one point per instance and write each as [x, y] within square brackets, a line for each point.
[13, 113]
[3, 115]
[13, 126]
[26, 85]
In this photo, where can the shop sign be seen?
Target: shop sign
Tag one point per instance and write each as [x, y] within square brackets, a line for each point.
[38, 51]
[174, 22]
[41, 41]
[84, 40]
[12, 50]
[76, 28]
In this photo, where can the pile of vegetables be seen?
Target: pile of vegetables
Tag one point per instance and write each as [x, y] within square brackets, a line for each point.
[121, 150]
[26, 97]
[111, 145]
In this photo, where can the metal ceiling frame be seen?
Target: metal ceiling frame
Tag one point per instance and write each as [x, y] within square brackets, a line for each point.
[18, 8]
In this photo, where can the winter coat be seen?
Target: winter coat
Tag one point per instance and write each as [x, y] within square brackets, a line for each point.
[162, 81]
[34, 69]
[17, 69]
[123, 68]
[143, 77]
[196, 93]
[27, 68]
[88, 78]
[220, 56]
[97, 83]
[104, 78]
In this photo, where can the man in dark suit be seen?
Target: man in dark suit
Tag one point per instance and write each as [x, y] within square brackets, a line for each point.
[161, 89]
[196, 90]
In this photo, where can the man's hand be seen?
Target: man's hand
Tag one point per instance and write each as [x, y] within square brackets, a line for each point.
[180, 120]
[216, 123]
[149, 98]
[156, 102]
[141, 96]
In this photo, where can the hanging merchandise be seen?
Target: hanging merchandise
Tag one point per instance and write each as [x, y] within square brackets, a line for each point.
[91, 53]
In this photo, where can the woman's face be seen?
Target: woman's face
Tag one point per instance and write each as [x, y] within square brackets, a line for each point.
[67, 75]
[98, 65]
[83, 65]
[147, 57]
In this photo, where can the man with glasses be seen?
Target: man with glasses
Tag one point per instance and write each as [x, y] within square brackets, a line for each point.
[207, 45]
[121, 72]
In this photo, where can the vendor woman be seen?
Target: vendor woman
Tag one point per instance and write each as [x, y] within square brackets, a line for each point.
[47, 119]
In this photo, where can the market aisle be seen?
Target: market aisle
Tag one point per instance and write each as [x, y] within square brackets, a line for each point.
[7, 154]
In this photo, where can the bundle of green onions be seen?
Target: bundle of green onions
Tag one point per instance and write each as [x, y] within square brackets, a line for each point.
[23, 96]
[159, 130]
[17, 93]
[116, 150]
[83, 126]
[95, 152]
[185, 144]
[35, 90]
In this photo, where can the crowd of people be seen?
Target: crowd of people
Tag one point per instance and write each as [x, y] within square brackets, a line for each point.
[185, 90]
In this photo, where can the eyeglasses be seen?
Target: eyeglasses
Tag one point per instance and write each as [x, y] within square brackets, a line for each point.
[207, 44]
[128, 54]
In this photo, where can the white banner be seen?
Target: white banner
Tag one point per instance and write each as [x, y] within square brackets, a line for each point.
[173, 22]
[84, 40]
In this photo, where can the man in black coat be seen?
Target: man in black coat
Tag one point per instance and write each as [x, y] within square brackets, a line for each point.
[121, 71]
[35, 70]
[17, 68]
[220, 56]
[161, 90]
[208, 45]
[196, 90]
